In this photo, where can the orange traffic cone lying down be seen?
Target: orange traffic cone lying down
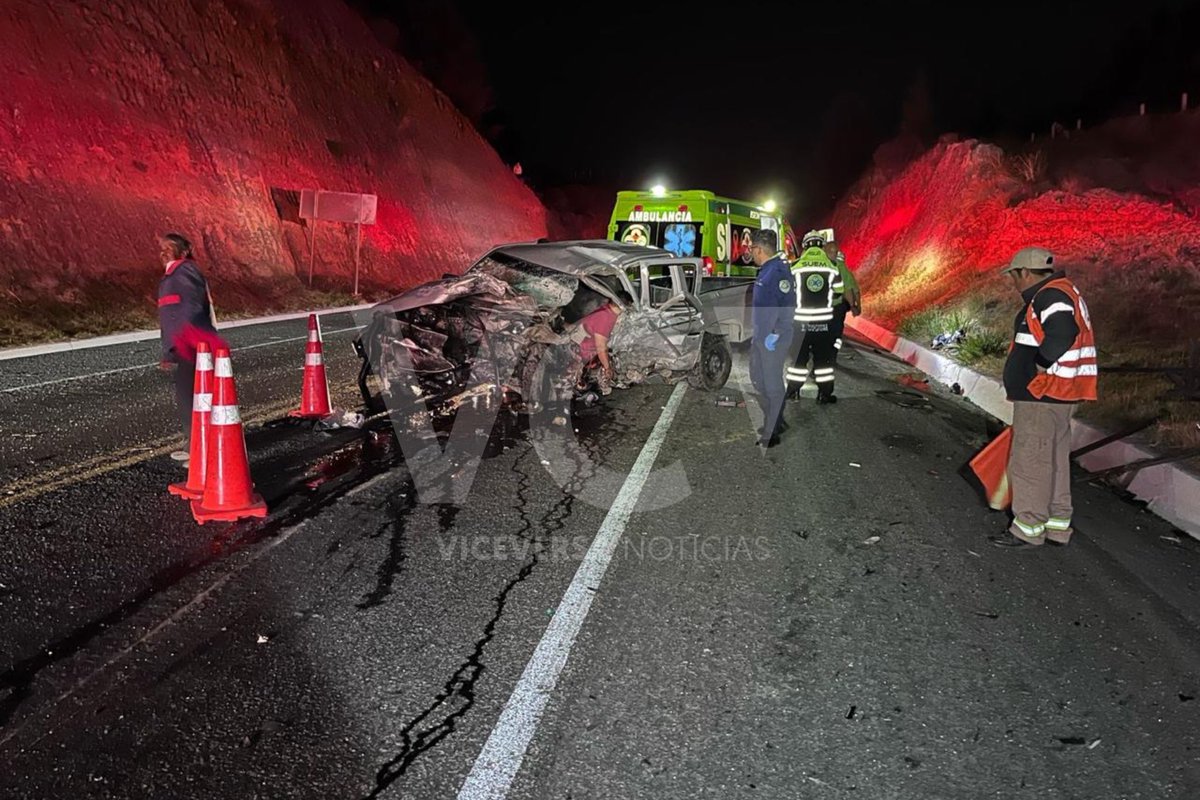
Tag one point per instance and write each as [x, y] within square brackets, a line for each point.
[990, 466]
[193, 487]
[228, 491]
[314, 395]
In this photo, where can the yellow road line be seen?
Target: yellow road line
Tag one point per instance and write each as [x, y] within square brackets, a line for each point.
[60, 477]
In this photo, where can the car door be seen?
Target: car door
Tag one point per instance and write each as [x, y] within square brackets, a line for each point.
[671, 304]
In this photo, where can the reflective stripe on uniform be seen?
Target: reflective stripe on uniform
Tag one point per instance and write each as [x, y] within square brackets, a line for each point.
[1058, 524]
[1054, 309]
[1079, 354]
[168, 300]
[202, 402]
[1030, 530]
[1070, 372]
[825, 379]
[1026, 338]
[226, 415]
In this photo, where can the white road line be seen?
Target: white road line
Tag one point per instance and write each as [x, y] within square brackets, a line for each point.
[141, 336]
[364, 486]
[501, 757]
[173, 619]
[155, 364]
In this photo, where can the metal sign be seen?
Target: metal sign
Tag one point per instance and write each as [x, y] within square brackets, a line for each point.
[350, 207]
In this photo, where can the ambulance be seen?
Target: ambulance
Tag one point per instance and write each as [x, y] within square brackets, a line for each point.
[695, 223]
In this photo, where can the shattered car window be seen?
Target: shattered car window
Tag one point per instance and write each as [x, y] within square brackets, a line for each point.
[549, 288]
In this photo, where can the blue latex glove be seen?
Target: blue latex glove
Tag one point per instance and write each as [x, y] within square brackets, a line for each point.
[771, 340]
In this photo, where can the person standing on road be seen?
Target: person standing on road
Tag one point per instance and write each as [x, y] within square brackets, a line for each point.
[819, 285]
[1051, 366]
[774, 303]
[850, 300]
[185, 318]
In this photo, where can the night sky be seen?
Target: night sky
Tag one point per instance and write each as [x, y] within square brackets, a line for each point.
[792, 99]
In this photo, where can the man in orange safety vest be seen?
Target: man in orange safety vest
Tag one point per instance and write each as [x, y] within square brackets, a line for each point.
[1051, 367]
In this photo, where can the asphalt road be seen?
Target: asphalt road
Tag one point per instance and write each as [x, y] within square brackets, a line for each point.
[824, 620]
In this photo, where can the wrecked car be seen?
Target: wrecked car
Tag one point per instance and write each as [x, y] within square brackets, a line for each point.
[507, 330]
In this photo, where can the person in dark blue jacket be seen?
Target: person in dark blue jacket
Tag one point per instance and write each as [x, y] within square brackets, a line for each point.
[774, 303]
[185, 317]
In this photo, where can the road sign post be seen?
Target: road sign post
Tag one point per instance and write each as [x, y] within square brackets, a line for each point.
[347, 207]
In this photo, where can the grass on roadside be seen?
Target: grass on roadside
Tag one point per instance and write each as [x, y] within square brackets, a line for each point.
[1125, 399]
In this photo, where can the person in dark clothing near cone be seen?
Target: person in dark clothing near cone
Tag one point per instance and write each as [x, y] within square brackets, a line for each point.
[1051, 367]
[185, 318]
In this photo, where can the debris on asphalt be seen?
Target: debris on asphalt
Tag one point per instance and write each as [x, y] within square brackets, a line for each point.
[850, 713]
[1073, 740]
[956, 389]
[817, 781]
[913, 381]
[341, 419]
[726, 402]
[871, 540]
[988, 614]
[1171, 539]
[545, 463]
[856, 465]
[972, 552]
[560, 421]
[1186, 698]
[263, 639]
[1093, 745]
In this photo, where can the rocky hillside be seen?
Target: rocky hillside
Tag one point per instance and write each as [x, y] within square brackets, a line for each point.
[1120, 207]
[1113, 203]
[120, 119]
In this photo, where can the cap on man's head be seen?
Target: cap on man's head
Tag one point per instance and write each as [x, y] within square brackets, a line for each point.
[1035, 259]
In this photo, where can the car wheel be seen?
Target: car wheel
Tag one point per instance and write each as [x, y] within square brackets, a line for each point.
[716, 361]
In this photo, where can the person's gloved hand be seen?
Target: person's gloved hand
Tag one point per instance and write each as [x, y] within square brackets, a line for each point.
[771, 340]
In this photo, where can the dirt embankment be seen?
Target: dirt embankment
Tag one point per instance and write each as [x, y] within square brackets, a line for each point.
[1119, 206]
[121, 119]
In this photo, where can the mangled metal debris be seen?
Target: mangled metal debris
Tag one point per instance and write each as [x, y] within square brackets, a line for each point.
[508, 331]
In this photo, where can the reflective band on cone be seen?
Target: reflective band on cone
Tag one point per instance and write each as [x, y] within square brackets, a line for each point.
[226, 415]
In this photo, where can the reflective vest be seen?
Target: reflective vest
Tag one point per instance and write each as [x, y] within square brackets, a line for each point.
[1074, 376]
[817, 283]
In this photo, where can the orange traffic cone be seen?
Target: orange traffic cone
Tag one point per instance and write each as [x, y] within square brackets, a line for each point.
[990, 466]
[228, 492]
[314, 397]
[202, 397]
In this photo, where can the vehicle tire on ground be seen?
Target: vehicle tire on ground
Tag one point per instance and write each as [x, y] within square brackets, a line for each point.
[716, 361]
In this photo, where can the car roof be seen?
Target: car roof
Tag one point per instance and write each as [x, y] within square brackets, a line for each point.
[582, 257]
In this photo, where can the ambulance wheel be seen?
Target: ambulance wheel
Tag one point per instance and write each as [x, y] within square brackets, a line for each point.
[716, 361]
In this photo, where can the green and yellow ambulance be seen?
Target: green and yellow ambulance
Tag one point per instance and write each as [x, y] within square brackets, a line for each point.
[695, 223]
